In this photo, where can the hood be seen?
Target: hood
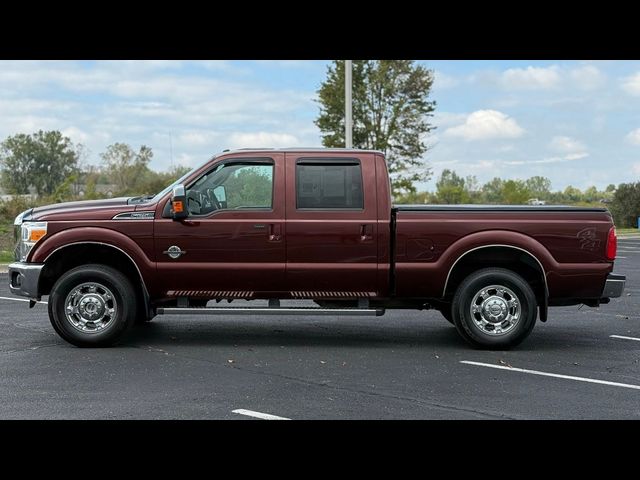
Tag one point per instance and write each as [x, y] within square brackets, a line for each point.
[82, 210]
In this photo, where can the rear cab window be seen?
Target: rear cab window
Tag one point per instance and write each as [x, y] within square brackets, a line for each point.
[329, 184]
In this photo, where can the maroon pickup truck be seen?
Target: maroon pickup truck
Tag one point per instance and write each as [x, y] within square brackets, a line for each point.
[305, 224]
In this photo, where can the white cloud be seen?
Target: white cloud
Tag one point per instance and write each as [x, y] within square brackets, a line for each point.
[583, 77]
[565, 158]
[448, 119]
[636, 168]
[262, 139]
[568, 145]
[197, 139]
[75, 134]
[531, 78]
[633, 137]
[632, 84]
[485, 125]
[443, 81]
[206, 107]
[575, 156]
[587, 77]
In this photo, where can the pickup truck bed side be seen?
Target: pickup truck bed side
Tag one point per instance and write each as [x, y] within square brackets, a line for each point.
[569, 244]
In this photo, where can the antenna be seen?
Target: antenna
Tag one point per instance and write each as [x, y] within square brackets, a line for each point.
[171, 150]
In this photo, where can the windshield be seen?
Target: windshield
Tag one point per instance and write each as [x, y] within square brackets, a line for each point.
[158, 196]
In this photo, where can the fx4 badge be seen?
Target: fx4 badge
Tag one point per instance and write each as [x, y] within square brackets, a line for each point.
[174, 252]
[587, 239]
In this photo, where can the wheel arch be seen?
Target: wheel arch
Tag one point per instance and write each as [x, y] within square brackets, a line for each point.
[512, 257]
[66, 257]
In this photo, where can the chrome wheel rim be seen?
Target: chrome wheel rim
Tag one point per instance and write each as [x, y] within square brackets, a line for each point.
[90, 307]
[495, 310]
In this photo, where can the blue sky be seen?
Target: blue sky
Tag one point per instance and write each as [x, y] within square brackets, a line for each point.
[576, 122]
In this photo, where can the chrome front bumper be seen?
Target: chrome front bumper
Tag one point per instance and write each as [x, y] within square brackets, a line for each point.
[24, 278]
[614, 286]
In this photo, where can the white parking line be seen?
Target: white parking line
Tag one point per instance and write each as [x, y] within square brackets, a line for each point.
[263, 416]
[620, 257]
[19, 300]
[555, 375]
[625, 338]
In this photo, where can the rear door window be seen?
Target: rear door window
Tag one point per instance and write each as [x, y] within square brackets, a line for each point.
[329, 185]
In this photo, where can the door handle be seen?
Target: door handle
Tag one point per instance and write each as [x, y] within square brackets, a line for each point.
[366, 232]
[274, 232]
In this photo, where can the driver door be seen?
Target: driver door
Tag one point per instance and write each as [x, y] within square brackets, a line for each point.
[233, 239]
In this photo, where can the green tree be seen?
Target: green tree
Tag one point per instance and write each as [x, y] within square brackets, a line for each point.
[126, 167]
[539, 187]
[415, 198]
[249, 186]
[515, 192]
[43, 160]
[473, 189]
[625, 206]
[591, 194]
[450, 188]
[153, 182]
[492, 191]
[391, 108]
[572, 194]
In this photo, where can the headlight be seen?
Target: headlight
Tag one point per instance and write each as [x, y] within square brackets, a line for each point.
[31, 232]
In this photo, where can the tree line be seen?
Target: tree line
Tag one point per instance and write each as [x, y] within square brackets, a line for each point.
[52, 167]
[623, 200]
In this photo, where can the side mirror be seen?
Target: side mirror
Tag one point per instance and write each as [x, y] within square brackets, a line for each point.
[221, 193]
[179, 203]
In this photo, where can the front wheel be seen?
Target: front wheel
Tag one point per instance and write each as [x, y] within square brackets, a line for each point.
[92, 306]
[494, 308]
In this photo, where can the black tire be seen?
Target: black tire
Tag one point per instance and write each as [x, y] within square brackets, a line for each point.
[485, 336]
[121, 296]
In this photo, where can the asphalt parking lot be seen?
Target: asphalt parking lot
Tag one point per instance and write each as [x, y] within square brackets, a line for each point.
[582, 364]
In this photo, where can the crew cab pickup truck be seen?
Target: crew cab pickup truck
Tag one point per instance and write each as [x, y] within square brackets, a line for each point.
[315, 225]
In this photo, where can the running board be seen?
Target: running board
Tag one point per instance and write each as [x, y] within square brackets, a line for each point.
[363, 312]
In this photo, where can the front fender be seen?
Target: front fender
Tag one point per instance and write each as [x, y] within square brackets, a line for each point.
[74, 236]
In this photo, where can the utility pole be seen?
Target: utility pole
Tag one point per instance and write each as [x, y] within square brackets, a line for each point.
[348, 121]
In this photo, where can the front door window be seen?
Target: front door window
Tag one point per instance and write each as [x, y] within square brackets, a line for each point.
[232, 186]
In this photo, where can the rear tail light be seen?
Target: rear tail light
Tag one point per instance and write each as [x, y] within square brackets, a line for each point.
[612, 244]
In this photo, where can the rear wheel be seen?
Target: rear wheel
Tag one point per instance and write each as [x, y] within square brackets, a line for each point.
[92, 306]
[494, 308]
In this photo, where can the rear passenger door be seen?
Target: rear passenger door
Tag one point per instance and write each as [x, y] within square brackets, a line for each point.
[331, 225]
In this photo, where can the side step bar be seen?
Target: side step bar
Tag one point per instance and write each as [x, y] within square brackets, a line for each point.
[363, 312]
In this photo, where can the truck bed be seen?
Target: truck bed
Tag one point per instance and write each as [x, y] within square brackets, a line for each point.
[568, 242]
